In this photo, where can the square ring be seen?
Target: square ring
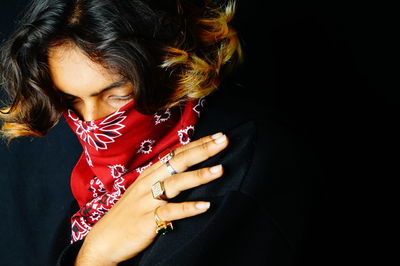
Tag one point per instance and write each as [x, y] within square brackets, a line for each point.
[158, 190]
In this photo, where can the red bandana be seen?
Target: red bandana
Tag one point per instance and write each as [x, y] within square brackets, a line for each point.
[116, 149]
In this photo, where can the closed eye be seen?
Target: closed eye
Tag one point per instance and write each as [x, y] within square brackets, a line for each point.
[71, 100]
[122, 98]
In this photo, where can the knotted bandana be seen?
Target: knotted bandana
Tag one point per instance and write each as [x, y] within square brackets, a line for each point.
[116, 149]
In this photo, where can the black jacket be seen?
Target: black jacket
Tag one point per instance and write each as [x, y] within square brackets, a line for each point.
[260, 209]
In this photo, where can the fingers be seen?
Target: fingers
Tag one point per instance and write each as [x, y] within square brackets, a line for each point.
[185, 157]
[210, 145]
[176, 211]
[198, 142]
[177, 183]
[199, 153]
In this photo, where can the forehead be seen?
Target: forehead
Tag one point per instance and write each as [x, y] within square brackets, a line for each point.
[75, 73]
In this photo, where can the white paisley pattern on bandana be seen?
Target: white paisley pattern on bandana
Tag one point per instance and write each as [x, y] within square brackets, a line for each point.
[88, 159]
[199, 106]
[141, 169]
[96, 186]
[146, 146]
[185, 134]
[112, 167]
[83, 221]
[162, 116]
[109, 129]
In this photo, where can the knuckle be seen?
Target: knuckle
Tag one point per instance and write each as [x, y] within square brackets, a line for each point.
[140, 187]
[181, 157]
[205, 147]
[184, 208]
[187, 208]
[204, 139]
[163, 212]
[170, 185]
[202, 173]
[179, 149]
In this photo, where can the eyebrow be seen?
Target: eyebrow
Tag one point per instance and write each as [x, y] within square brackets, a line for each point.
[109, 87]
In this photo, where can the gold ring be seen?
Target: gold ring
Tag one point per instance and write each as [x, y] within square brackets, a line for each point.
[163, 227]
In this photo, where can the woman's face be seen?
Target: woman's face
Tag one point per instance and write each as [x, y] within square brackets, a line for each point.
[92, 91]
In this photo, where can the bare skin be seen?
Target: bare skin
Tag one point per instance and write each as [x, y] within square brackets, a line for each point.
[129, 227]
[83, 83]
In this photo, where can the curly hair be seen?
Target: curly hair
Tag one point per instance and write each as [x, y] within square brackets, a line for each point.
[171, 50]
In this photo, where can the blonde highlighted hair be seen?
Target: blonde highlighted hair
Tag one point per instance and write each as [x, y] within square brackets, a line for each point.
[217, 50]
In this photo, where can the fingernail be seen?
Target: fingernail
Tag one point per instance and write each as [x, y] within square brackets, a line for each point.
[202, 205]
[216, 169]
[220, 139]
[216, 135]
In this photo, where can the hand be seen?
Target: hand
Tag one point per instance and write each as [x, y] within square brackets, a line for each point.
[129, 226]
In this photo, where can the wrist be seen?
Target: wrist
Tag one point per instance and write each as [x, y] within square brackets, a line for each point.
[88, 256]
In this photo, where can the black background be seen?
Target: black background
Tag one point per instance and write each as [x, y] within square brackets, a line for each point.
[324, 69]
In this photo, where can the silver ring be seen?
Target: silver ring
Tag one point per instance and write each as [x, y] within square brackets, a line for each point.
[171, 170]
[164, 157]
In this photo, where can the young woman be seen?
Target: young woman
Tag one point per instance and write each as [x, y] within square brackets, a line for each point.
[132, 78]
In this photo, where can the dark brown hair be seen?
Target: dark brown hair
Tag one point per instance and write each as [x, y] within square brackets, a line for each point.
[171, 50]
